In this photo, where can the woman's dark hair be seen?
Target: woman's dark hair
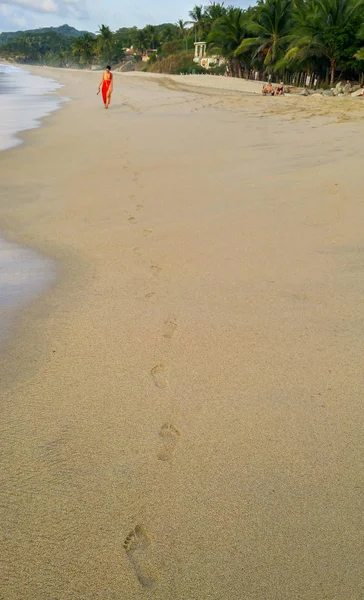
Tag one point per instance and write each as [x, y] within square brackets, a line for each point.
[108, 67]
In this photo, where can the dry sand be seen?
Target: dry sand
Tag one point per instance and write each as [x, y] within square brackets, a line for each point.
[182, 414]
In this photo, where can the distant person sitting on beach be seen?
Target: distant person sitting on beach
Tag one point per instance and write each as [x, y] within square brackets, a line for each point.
[106, 86]
[347, 87]
[267, 89]
[279, 91]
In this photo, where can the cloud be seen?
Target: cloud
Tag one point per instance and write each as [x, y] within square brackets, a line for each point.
[75, 8]
[11, 18]
[89, 14]
[31, 14]
[38, 5]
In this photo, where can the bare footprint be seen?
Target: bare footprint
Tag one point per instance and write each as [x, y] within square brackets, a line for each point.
[139, 207]
[156, 269]
[137, 547]
[170, 327]
[159, 374]
[147, 232]
[132, 220]
[169, 435]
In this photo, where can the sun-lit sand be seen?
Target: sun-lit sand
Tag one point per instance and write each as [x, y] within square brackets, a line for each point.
[182, 413]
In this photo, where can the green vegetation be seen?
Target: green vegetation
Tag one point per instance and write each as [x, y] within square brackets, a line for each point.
[65, 30]
[277, 37]
[225, 39]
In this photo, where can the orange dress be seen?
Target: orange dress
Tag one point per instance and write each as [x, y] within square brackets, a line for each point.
[106, 84]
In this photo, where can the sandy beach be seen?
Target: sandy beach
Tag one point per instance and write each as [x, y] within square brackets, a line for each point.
[182, 412]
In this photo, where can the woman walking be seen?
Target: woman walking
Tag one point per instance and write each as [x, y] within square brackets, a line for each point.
[106, 86]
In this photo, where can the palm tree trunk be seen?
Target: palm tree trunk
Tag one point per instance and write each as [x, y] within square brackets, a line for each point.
[333, 65]
[240, 72]
[229, 65]
[237, 72]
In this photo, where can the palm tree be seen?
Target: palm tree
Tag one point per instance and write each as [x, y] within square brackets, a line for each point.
[198, 16]
[83, 49]
[141, 41]
[318, 27]
[215, 11]
[271, 26]
[151, 34]
[169, 33]
[226, 37]
[105, 41]
[183, 31]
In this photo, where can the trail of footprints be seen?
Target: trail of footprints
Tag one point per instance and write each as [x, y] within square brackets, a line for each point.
[138, 543]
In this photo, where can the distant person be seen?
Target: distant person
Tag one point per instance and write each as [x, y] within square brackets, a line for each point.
[106, 86]
[267, 89]
[279, 91]
[347, 87]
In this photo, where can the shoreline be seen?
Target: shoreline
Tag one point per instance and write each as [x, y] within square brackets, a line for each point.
[25, 273]
[196, 368]
[31, 89]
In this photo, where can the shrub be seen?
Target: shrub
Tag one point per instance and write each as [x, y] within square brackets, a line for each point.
[175, 64]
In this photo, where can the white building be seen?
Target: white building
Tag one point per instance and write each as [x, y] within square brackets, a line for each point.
[201, 58]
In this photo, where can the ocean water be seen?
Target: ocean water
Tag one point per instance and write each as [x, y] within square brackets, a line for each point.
[24, 100]
[24, 275]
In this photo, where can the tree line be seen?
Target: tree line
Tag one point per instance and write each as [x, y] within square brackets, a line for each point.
[325, 37]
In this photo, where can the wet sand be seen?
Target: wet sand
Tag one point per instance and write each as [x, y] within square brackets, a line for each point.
[182, 413]
[24, 275]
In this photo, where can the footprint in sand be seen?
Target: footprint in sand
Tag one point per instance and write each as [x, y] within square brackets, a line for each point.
[147, 232]
[159, 374]
[132, 220]
[150, 295]
[139, 207]
[169, 435]
[137, 547]
[156, 269]
[170, 327]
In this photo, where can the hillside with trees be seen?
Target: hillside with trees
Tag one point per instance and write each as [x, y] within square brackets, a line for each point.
[65, 30]
[273, 37]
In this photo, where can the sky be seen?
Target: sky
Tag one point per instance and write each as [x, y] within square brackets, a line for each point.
[90, 14]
